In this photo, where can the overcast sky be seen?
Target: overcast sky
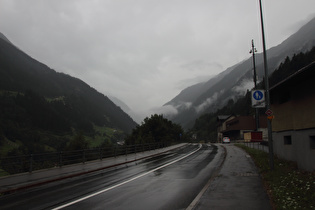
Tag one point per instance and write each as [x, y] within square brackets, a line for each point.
[145, 52]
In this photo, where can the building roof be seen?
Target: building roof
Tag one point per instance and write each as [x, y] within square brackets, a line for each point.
[301, 75]
[222, 117]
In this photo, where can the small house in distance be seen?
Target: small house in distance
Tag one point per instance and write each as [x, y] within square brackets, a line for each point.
[235, 127]
[293, 128]
[221, 125]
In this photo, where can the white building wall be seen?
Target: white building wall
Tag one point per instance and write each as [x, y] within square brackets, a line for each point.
[299, 150]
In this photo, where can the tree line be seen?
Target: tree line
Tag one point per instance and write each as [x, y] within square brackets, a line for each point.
[156, 129]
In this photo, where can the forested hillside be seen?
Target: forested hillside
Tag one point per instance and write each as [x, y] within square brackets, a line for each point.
[206, 125]
[43, 110]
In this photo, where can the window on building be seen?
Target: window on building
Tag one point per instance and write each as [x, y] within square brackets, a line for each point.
[287, 140]
[312, 142]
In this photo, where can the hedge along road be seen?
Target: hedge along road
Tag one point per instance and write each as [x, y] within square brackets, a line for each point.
[169, 181]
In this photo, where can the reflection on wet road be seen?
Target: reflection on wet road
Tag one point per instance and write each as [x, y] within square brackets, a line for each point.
[168, 181]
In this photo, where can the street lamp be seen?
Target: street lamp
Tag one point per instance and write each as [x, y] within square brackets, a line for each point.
[267, 90]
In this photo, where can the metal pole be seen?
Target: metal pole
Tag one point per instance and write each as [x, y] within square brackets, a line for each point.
[271, 162]
[253, 50]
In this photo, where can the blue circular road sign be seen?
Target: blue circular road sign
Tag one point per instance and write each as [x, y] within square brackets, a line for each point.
[258, 95]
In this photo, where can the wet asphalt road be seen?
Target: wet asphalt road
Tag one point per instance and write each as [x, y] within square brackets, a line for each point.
[168, 181]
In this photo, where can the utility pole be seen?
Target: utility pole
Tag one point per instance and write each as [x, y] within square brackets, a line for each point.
[271, 162]
[253, 50]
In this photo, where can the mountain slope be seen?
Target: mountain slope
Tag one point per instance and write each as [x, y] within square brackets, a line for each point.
[21, 73]
[234, 82]
[191, 93]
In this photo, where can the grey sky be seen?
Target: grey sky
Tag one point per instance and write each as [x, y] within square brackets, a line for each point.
[145, 52]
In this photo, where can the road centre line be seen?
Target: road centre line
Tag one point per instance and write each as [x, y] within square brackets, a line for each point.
[125, 182]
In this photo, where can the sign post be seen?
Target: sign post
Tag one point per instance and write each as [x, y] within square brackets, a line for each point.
[267, 89]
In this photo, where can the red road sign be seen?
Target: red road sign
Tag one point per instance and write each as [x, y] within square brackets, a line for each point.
[268, 112]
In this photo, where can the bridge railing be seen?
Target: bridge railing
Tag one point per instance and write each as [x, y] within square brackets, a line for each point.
[29, 163]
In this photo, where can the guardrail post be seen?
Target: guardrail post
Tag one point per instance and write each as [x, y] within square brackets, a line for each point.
[101, 154]
[83, 155]
[60, 159]
[31, 163]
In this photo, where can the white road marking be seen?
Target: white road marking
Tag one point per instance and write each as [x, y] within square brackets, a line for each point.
[125, 182]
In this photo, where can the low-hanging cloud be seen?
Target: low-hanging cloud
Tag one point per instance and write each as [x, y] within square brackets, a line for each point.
[167, 110]
[171, 110]
[245, 85]
[209, 101]
[185, 105]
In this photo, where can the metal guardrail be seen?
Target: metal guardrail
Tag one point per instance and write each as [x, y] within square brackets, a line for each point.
[256, 145]
[32, 162]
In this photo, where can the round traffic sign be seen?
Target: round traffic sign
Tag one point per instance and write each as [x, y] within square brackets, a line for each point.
[258, 95]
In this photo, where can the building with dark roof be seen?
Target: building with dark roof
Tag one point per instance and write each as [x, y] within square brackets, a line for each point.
[234, 126]
[293, 104]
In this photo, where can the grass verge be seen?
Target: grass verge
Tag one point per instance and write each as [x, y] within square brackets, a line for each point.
[287, 186]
